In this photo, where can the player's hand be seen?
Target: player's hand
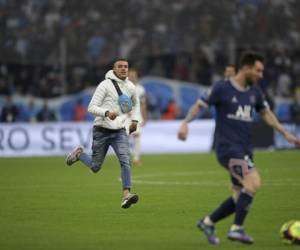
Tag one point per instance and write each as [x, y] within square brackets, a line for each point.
[135, 134]
[111, 115]
[183, 131]
[132, 127]
[292, 139]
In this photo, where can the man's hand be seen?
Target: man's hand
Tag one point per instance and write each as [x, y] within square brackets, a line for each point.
[183, 131]
[132, 127]
[111, 115]
[292, 139]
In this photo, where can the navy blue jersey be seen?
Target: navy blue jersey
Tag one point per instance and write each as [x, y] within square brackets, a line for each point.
[234, 115]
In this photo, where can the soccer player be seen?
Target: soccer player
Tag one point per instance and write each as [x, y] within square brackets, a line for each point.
[142, 116]
[235, 100]
[229, 71]
[109, 127]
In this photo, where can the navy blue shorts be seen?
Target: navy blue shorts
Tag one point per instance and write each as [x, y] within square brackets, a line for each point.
[238, 167]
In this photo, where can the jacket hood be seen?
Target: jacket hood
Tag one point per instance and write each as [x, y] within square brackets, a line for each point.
[111, 75]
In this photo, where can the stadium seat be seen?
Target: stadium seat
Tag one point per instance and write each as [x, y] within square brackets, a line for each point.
[188, 97]
[283, 112]
[66, 110]
[22, 114]
[85, 98]
[161, 91]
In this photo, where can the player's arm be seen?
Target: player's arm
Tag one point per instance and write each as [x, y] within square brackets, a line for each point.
[144, 111]
[97, 100]
[192, 114]
[136, 109]
[270, 118]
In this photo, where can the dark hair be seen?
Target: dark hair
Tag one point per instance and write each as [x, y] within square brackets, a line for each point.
[250, 57]
[119, 59]
[229, 65]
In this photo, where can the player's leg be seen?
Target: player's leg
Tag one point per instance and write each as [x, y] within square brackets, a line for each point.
[251, 184]
[100, 146]
[208, 228]
[73, 156]
[136, 151]
[120, 144]
[226, 208]
[243, 172]
[99, 150]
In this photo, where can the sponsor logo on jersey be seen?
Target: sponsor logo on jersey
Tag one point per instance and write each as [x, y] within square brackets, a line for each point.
[243, 113]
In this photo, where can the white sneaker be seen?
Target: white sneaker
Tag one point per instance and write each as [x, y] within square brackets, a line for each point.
[129, 200]
[73, 156]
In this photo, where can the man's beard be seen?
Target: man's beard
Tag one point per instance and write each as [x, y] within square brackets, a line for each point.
[249, 81]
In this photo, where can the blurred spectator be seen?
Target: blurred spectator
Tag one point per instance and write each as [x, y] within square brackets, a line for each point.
[153, 110]
[229, 72]
[45, 114]
[171, 111]
[38, 36]
[95, 46]
[79, 111]
[30, 111]
[9, 112]
[284, 85]
[295, 107]
[142, 118]
[4, 88]
[269, 95]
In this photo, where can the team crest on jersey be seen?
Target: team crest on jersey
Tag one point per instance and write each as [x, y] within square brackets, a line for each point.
[252, 99]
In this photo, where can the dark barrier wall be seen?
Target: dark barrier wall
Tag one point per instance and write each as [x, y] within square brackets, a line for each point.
[262, 135]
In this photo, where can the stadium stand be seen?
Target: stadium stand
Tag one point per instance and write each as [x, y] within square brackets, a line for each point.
[283, 112]
[55, 48]
[188, 96]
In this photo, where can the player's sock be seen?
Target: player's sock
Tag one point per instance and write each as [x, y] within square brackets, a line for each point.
[235, 227]
[225, 209]
[136, 151]
[242, 207]
[207, 221]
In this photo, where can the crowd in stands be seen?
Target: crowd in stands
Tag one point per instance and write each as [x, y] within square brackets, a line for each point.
[49, 48]
[11, 111]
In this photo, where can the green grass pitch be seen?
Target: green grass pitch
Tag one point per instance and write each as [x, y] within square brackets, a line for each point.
[46, 205]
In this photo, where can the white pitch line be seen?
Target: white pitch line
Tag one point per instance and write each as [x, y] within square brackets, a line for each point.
[200, 173]
[193, 183]
[179, 183]
[140, 179]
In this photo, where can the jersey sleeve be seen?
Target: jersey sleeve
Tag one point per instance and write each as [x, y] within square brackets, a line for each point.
[136, 109]
[97, 100]
[214, 96]
[261, 102]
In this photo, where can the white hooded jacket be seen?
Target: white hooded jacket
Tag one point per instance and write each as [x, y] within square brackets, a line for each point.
[105, 98]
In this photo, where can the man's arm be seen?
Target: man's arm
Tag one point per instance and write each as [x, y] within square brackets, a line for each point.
[192, 114]
[270, 118]
[136, 109]
[144, 111]
[97, 100]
